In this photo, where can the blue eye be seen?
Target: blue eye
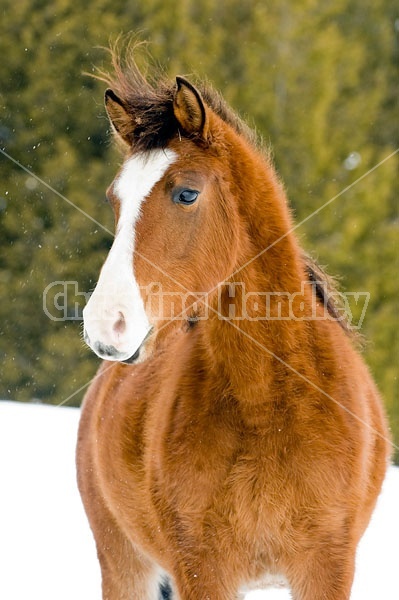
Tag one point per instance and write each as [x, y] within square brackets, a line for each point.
[185, 196]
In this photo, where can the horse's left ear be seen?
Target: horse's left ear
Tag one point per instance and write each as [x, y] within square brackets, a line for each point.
[189, 109]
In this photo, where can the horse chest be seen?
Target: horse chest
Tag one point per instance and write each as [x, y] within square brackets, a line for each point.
[173, 462]
[222, 486]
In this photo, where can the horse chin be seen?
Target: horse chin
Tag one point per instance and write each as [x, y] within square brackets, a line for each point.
[142, 352]
[133, 359]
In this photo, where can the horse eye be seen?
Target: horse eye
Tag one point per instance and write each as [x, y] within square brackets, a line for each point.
[185, 196]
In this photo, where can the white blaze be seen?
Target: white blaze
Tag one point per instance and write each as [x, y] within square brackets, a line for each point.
[115, 315]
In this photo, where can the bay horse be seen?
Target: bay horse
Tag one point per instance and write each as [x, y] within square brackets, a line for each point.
[223, 445]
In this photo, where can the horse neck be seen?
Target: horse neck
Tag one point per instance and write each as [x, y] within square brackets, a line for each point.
[244, 350]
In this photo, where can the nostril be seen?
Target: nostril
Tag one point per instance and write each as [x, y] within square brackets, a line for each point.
[120, 324]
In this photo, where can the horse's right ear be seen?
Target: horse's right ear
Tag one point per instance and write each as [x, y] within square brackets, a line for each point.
[119, 117]
[189, 109]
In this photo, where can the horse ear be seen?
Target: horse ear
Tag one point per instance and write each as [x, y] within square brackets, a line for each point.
[119, 117]
[189, 108]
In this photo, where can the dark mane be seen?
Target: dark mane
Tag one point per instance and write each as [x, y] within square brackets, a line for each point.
[325, 289]
[149, 99]
[218, 104]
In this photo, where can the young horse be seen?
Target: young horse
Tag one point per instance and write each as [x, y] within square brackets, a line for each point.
[237, 439]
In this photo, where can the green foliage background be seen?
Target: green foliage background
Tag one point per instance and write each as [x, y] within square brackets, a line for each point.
[319, 80]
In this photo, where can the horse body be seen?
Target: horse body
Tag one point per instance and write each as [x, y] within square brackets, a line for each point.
[232, 450]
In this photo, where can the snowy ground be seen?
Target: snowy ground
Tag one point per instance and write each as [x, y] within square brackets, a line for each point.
[46, 548]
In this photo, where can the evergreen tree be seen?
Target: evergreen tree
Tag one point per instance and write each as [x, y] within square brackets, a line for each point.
[319, 82]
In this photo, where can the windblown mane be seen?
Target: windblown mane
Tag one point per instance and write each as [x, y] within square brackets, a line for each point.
[149, 99]
[325, 289]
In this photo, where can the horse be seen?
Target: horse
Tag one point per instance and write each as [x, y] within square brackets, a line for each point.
[233, 437]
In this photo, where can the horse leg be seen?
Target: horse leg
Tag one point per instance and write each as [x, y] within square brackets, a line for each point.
[199, 578]
[127, 574]
[324, 575]
[197, 591]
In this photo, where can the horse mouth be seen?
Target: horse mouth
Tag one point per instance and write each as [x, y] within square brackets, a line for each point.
[138, 354]
[133, 358]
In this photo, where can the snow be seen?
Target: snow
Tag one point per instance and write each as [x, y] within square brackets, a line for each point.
[46, 547]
